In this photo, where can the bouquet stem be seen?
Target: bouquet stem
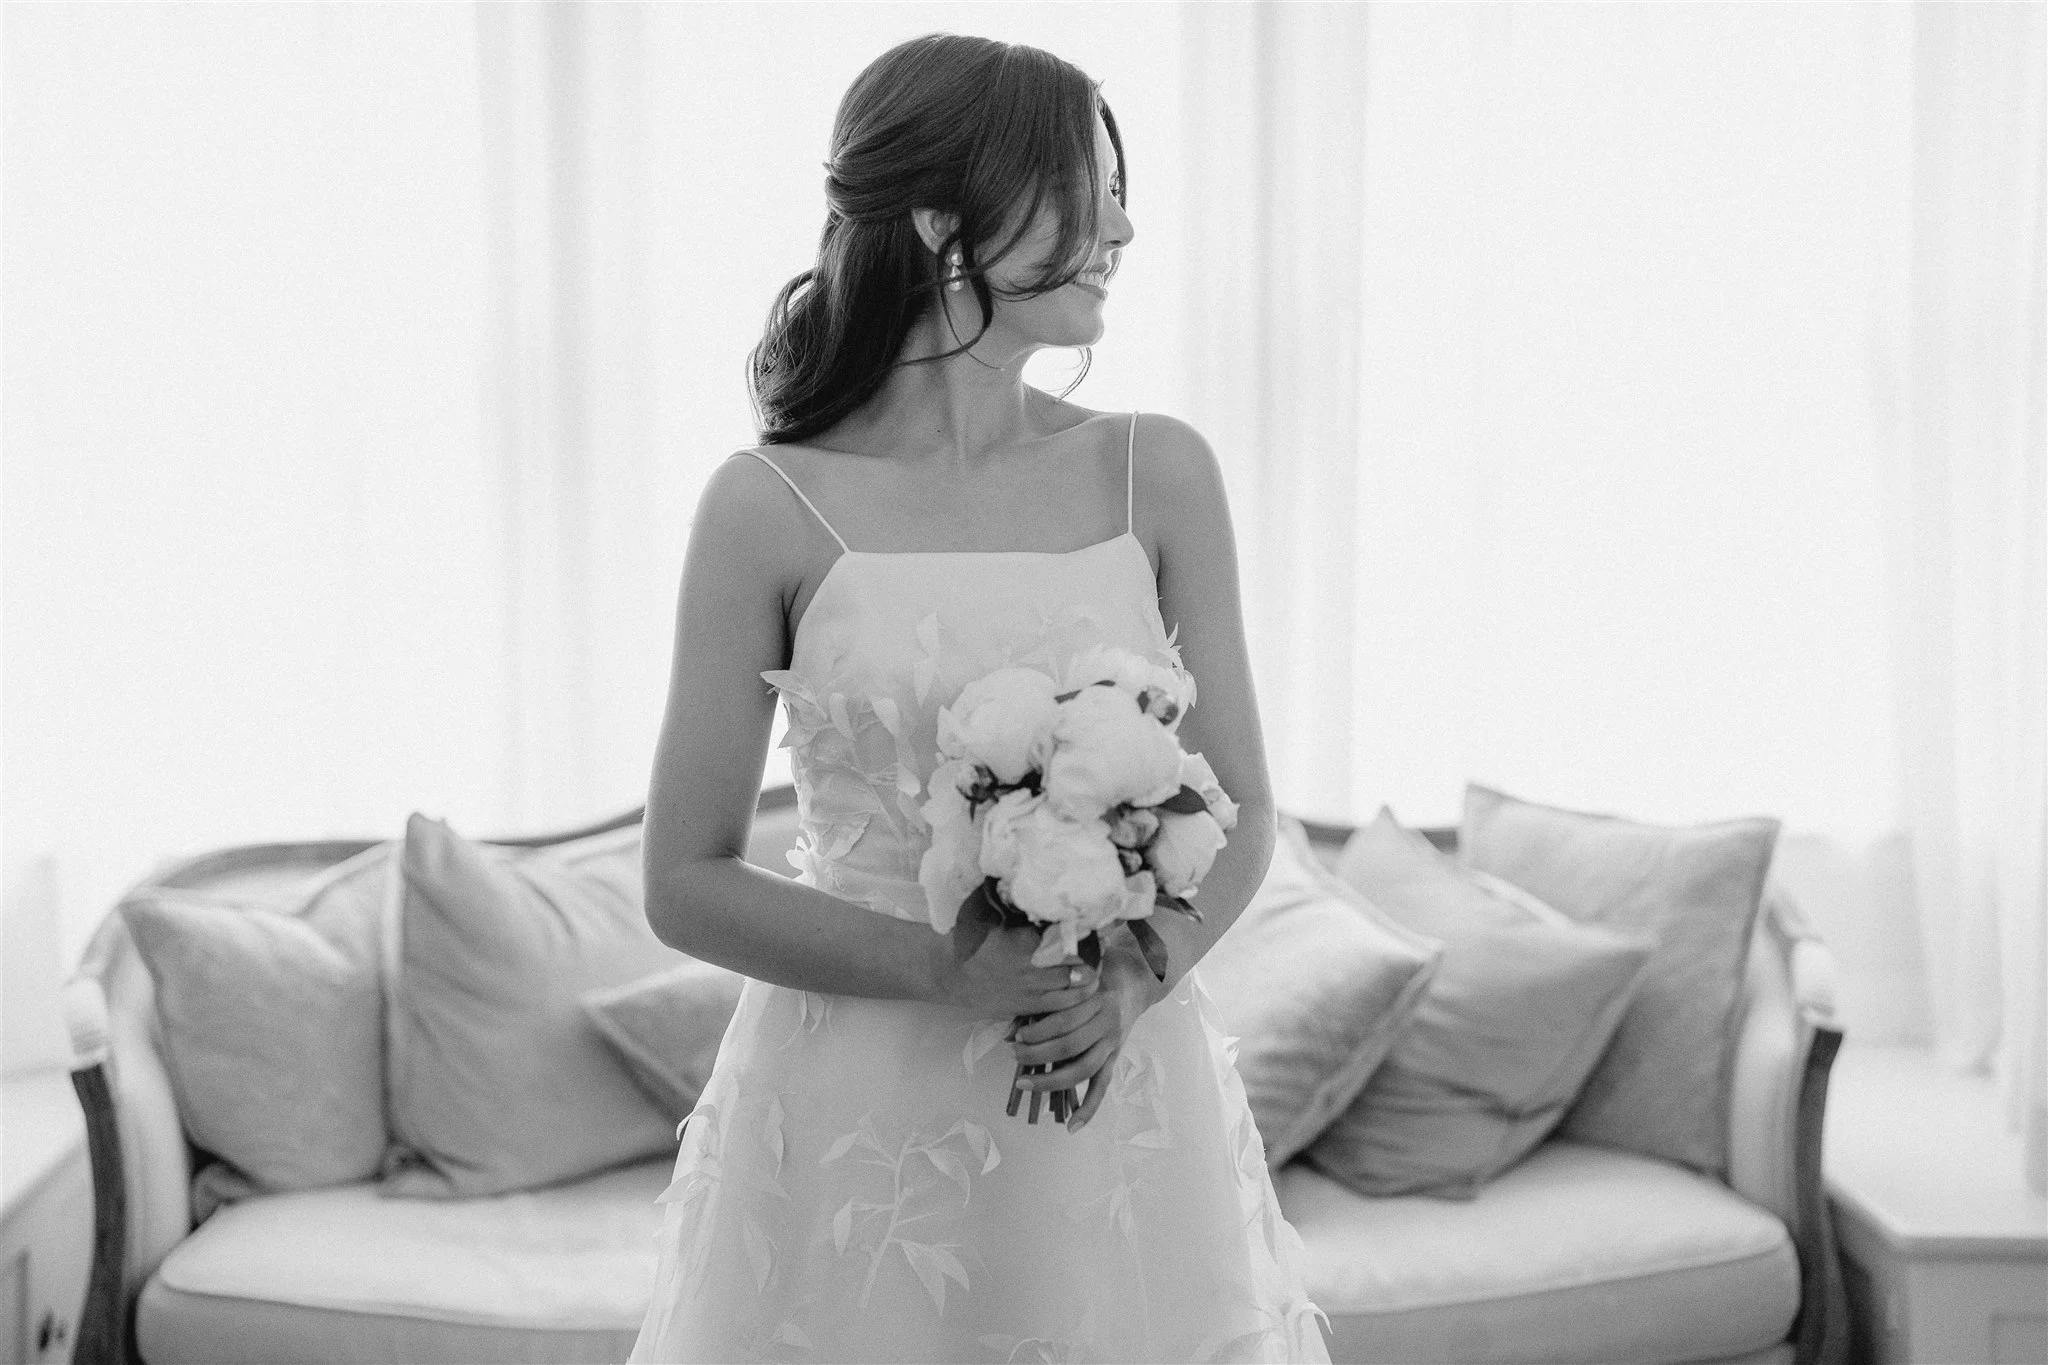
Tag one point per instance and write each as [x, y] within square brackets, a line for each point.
[986, 906]
[1063, 1102]
[1066, 1099]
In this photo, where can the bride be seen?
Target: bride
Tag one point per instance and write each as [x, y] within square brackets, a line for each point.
[850, 1185]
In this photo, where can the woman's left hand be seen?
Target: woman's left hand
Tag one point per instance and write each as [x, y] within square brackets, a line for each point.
[1086, 1039]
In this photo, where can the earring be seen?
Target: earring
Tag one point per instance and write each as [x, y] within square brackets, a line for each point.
[955, 283]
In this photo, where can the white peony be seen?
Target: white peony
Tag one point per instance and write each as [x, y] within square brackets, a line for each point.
[1195, 772]
[1133, 828]
[950, 868]
[1063, 869]
[1164, 693]
[1141, 895]
[1183, 851]
[1059, 942]
[1001, 837]
[1107, 752]
[1003, 721]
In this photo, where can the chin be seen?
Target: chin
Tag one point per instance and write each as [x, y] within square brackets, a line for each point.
[1085, 331]
[1064, 327]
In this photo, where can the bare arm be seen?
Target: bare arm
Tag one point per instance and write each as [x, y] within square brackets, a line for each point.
[743, 564]
[1181, 486]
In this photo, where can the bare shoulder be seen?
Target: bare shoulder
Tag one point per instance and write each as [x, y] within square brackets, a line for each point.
[744, 488]
[1176, 450]
[1179, 484]
[748, 517]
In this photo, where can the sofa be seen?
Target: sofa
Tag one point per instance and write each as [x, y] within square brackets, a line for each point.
[1580, 1251]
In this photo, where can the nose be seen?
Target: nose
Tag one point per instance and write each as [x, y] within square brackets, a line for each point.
[1116, 224]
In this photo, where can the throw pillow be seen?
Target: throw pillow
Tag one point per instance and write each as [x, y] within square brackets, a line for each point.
[498, 1081]
[1662, 1087]
[271, 1015]
[1522, 1005]
[1317, 987]
[667, 1028]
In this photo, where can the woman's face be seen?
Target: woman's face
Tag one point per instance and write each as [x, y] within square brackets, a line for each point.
[1070, 315]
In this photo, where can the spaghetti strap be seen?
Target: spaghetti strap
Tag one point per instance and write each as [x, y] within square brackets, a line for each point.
[1130, 465]
[800, 493]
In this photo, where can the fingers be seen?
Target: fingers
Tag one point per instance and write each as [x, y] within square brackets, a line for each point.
[1055, 994]
[1065, 998]
[1098, 1086]
[1075, 1070]
[1057, 1037]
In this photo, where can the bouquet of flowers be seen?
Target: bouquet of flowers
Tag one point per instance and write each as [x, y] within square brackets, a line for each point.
[1068, 804]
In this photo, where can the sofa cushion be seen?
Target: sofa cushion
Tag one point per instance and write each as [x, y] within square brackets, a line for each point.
[1662, 1088]
[1519, 1011]
[341, 1274]
[498, 1080]
[1579, 1253]
[1316, 985]
[271, 1015]
[667, 1028]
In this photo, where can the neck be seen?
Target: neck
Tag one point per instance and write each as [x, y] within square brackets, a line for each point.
[957, 410]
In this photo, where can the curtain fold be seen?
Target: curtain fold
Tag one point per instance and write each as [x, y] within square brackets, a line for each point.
[1964, 363]
[1274, 140]
[572, 384]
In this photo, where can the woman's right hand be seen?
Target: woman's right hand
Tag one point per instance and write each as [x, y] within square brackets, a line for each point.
[988, 973]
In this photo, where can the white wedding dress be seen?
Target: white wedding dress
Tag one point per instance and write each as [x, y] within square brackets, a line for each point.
[849, 1187]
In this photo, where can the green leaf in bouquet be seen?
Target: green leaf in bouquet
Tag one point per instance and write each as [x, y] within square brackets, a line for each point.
[986, 903]
[1151, 945]
[1186, 801]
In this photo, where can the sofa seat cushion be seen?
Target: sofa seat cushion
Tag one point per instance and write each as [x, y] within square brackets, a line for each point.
[558, 1273]
[1580, 1253]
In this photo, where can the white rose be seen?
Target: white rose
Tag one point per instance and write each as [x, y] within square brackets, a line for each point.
[950, 868]
[1065, 870]
[1003, 721]
[1186, 846]
[1195, 772]
[1163, 693]
[1107, 752]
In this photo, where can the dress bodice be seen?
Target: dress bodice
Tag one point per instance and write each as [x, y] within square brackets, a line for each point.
[887, 641]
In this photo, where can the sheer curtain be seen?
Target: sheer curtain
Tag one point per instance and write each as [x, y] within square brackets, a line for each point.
[252, 567]
[1959, 362]
[1640, 409]
[1558, 466]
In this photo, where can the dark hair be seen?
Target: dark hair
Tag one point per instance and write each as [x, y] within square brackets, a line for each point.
[989, 132]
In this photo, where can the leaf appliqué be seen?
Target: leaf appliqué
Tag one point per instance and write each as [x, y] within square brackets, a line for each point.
[984, 1036]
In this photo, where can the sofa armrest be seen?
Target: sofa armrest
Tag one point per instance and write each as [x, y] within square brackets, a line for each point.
[101, 1324]
[1784, 1049]
[140, 1164]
